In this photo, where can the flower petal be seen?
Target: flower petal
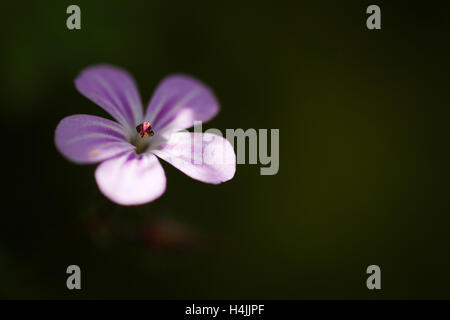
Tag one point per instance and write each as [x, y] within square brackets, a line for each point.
[178, 101]
[131, 179]
[88, 139]
[114, 90]
[205, 157]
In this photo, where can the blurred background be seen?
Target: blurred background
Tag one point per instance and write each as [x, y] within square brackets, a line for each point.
[364, 161]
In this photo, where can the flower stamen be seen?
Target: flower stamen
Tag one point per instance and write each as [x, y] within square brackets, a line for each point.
[144, 129]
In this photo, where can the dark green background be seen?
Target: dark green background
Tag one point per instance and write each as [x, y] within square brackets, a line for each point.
[364, 179]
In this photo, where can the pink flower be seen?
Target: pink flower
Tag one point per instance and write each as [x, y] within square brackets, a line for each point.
[129, 172]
